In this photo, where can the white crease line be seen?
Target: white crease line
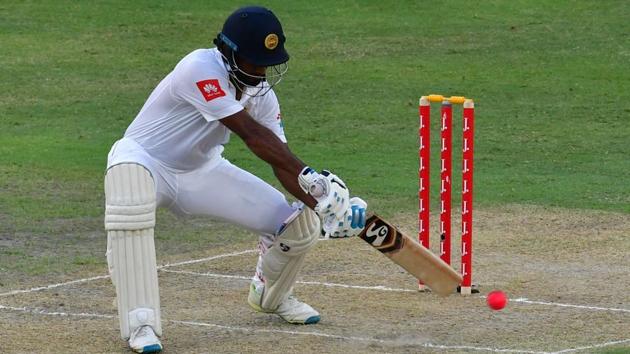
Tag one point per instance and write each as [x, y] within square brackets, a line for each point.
[52, 286]
[405, 342]
[207, 259]
[363, 287]
[384, 288]
[47, 313]
[85, 280]
[320, 334]
[212, 275]
[595, 308]
[607, 344]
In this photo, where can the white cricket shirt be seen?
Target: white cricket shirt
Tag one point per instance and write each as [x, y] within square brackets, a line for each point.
[179, 123]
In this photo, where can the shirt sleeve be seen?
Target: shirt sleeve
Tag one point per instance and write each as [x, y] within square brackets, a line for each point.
[267, 113]
[205, 88]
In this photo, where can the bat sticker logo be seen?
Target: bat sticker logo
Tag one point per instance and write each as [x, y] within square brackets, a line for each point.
[378, 234]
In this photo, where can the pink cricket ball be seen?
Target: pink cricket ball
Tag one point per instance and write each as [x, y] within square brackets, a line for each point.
[496, 299]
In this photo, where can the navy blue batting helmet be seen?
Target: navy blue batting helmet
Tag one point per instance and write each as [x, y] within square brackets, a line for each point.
[255, 34]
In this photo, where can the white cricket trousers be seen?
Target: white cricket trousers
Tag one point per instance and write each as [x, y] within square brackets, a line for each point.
[217, 189]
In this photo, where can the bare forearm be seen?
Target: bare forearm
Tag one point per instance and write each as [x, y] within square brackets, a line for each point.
[268, 147]
[286, 166]
[290, 183]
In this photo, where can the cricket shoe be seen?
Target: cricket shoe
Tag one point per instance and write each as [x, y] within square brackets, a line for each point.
[144, 340]
[291, 309]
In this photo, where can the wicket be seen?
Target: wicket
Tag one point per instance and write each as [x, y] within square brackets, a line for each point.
[424, 155]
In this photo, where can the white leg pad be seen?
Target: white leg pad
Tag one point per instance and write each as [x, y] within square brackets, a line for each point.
[129, 221]
[284, 259]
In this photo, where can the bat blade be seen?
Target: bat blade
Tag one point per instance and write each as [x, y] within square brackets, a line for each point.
[411, 256]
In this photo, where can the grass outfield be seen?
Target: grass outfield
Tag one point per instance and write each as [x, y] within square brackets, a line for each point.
[551, 83]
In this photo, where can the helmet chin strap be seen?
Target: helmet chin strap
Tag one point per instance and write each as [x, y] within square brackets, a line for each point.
[239, 77]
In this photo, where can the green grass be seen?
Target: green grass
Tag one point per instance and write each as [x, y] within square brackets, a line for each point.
[619, 350]
[551, 83]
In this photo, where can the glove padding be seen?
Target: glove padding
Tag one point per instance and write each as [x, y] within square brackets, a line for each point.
[331, 193]
[351, 224]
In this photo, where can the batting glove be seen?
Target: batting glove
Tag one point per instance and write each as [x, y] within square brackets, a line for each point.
[331, 193]
[351, 224]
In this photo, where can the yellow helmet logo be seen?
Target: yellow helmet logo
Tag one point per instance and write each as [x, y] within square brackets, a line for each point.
[271, 41]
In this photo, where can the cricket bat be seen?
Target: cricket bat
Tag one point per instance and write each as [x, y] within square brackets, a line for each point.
[410, 255]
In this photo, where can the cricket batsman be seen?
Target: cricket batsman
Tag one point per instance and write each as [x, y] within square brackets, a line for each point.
[171, 156]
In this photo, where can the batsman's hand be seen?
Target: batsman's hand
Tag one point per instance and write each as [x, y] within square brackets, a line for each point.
[351, 224]
[332, 195]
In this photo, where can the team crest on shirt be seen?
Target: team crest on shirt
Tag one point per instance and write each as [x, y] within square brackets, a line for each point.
[210, 89]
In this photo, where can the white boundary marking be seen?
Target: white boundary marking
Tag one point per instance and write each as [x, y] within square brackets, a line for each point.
[313, 333]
